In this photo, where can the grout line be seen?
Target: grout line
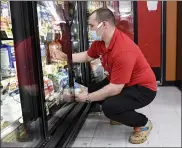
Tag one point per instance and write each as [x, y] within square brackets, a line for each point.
[95, 130]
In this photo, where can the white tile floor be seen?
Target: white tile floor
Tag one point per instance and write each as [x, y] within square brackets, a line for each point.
[164, 111]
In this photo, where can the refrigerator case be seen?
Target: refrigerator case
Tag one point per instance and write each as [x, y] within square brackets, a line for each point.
[44, 89]
[18, 118]
[60, 78]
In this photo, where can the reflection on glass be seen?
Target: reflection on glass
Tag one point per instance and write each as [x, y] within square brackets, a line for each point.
[123, 11]
[54, 36]
[18, 124]
[97, 70]
[55, 72]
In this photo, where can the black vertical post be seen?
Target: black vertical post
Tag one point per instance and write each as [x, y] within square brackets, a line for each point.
[81, 42]
[85, 39]
[28, 61]
[163, 42]
[66, 30]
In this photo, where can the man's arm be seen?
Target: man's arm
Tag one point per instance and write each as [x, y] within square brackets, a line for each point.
[81, 57]
[107, 91]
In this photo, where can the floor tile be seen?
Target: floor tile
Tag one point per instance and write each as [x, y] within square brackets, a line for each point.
[167, 130]
[106, 130]
[162, 118]
[108, 142]
[160, 108]
[82, 142]
[93, 119]
[164, 112]
[178, 111]
[171, 142]
[88, 129]
[103, 118]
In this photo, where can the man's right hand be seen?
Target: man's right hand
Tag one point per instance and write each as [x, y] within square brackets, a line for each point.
[58, 55]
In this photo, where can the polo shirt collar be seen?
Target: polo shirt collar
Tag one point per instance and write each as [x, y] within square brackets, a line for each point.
[112, 42]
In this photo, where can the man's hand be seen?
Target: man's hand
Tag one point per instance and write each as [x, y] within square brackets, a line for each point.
[81, 97]
[58, 55]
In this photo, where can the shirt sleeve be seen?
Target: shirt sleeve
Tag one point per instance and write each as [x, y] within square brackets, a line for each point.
[93, 50]
[122, 68]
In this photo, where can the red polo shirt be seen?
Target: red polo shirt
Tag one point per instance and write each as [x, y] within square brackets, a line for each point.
[123, 61]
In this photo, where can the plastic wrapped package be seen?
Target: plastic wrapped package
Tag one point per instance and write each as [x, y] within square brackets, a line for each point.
[48, 87]
[56, 10]
[11, 108]
[79, 88]
[68, 95]
[7, 55]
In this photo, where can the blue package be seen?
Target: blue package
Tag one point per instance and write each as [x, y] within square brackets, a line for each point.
[6, 49]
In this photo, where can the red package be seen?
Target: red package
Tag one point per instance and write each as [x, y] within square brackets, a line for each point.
[50, 87]
[46, 90]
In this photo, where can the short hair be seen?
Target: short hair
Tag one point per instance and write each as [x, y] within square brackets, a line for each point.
[104, 14]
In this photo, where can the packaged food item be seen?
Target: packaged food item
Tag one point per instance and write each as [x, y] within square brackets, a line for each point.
[5, 9]
[43, 53]
[46, 90]
[56, 11]
[77, 88]
[50, 87]
[55, 45]
[67, 95]
[56, 82]
[13, 86]
[7, 56]
[51, 69]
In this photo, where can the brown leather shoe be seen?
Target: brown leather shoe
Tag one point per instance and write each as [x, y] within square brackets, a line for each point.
[112, 122]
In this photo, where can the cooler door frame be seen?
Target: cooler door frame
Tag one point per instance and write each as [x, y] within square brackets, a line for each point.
[63, 134]
[24, 32]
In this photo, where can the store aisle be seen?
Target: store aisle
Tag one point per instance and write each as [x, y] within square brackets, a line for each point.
[164, 111]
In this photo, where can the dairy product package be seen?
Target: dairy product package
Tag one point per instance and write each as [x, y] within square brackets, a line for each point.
[7, 56]
[60, 80]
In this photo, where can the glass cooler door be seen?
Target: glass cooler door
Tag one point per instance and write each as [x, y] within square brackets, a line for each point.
[97, 71]
[21, 122]
[124, 15]
[58, 25]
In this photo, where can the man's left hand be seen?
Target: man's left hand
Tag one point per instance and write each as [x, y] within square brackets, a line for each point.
[81, 97]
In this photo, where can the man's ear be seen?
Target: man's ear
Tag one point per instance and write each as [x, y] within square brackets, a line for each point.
[104, 23]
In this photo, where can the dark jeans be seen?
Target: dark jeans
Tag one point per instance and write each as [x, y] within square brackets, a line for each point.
[122, 107]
